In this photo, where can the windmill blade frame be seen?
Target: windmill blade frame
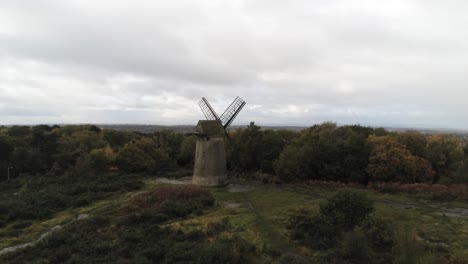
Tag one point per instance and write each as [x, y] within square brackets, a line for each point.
[207, 110]
[231, 112]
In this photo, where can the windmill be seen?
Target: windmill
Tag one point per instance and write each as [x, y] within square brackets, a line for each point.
[210, 153]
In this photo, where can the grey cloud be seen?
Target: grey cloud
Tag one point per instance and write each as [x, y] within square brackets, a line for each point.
[295, 62]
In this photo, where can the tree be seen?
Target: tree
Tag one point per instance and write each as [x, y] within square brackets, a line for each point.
[133, 159]
[6, 147]
[389, 160]
[247, 149]
[292, 164]
[143, 155]
[44, 138]
[187, 151]
[326, 152]
[347, 209]
[170, 141]
[415, 142]
[446, 156]
[76, 142]
[97, 161]
[26, 159]
[118, 138]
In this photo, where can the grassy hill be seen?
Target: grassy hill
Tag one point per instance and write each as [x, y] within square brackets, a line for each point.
[246, 222]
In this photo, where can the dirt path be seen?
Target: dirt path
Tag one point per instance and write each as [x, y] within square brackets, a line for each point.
[42, 237]
[438, 208]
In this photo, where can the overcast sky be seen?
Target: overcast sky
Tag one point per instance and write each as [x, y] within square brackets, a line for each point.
[390, 63]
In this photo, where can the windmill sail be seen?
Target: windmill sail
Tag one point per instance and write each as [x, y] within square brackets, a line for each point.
[207, 110]
[231, 112]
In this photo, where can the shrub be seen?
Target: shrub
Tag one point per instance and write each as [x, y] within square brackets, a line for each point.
[340, 213]
[167, 202]
[298, 216]
[379, 231]
[315, 232]
[346, 209]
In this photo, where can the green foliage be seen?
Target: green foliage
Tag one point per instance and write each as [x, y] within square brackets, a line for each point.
[291, 164]
[170, 141]
[187, 151]
[315, 232]
[169, 202]
[414, 141]
[118, 139]
[326, 152]
[6, 147]
[380, 231]
[216, 227]
[345, 231]
[446, 156]
[26, 159]
[143, 155]
[40, 197]
[341, 213]
[346, 209]
[254, 149]
[461, 176]
[106, 239]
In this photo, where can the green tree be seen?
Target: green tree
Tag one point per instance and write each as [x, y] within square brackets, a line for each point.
[446, 156]
[143, 155]
[347, 209]
[26, 159]
[74, 143]
[187, 151]
[97, 161]
[415, 142]
[326, 152]
[170, 141]
[247, 148]
[6, 147]
[44, 138]
[117, 138]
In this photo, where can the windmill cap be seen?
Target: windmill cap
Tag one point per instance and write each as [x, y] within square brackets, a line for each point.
[210, 127]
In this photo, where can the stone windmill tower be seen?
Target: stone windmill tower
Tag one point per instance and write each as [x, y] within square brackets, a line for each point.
[210, 153]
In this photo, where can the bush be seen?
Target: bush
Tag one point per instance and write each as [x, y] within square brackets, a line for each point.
[379, 231]
[315, 232]
[341, 213]
[346, 209]
[167, 202]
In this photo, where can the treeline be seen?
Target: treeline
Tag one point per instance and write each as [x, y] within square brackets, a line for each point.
[87, 149]
[350, 154]
[321, 152]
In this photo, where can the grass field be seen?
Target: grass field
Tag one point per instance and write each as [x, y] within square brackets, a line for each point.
[260, 213]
